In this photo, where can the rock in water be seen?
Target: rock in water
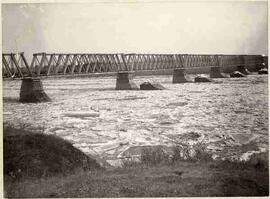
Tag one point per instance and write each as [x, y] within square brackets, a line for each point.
[151, 86]
[237, 74]
[263, 71]
[242, 69]
[202, 79]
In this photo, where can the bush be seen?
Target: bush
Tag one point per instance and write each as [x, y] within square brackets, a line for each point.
[197, 152]
[152, 156]
[131, 163]
[181, 153]
[201, 153]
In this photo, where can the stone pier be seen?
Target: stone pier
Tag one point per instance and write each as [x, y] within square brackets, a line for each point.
[179, 76]
[215, 72]
[32, 91]
[124, 81]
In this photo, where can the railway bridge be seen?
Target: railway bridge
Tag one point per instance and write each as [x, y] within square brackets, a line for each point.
[45, 65]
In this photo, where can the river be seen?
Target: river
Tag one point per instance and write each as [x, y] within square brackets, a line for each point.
[230, 116]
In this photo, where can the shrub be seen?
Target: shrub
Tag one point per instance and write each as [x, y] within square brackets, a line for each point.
[180, 153]
[201, 153]
[130, 163]
[151, 156]
[154, 156]
[197, 152]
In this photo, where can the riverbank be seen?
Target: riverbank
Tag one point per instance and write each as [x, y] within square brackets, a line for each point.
[70, 173]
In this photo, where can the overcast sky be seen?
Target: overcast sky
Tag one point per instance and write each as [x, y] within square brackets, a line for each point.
[144, 27]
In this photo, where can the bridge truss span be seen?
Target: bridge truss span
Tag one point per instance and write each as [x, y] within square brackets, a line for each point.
[56, 64]
[70, 64]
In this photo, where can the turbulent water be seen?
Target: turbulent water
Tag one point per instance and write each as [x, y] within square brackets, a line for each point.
[230, 116]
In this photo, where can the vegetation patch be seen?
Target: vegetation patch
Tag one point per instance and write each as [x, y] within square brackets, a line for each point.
[162, 155]
[28, 154]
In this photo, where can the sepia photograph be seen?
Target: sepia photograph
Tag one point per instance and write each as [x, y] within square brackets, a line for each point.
[138, 98]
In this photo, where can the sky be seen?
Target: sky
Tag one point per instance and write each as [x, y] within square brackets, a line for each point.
[136, 27]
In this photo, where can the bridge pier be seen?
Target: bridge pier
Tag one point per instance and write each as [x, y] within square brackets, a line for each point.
[32, 91]
[215, 72]
[243, 69]
[179, 76]
[124, 81]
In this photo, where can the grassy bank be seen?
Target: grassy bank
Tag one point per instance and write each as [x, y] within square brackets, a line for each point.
[37, 165]
[28, 154]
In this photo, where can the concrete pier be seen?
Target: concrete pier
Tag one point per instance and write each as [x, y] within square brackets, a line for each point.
[124, 81]
[215, 72]
[179, 76]
[32, 91]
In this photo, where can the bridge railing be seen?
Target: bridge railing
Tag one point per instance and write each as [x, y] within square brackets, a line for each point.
[49, 64]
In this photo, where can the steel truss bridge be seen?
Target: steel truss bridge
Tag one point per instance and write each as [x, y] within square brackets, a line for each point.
[56, 64]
